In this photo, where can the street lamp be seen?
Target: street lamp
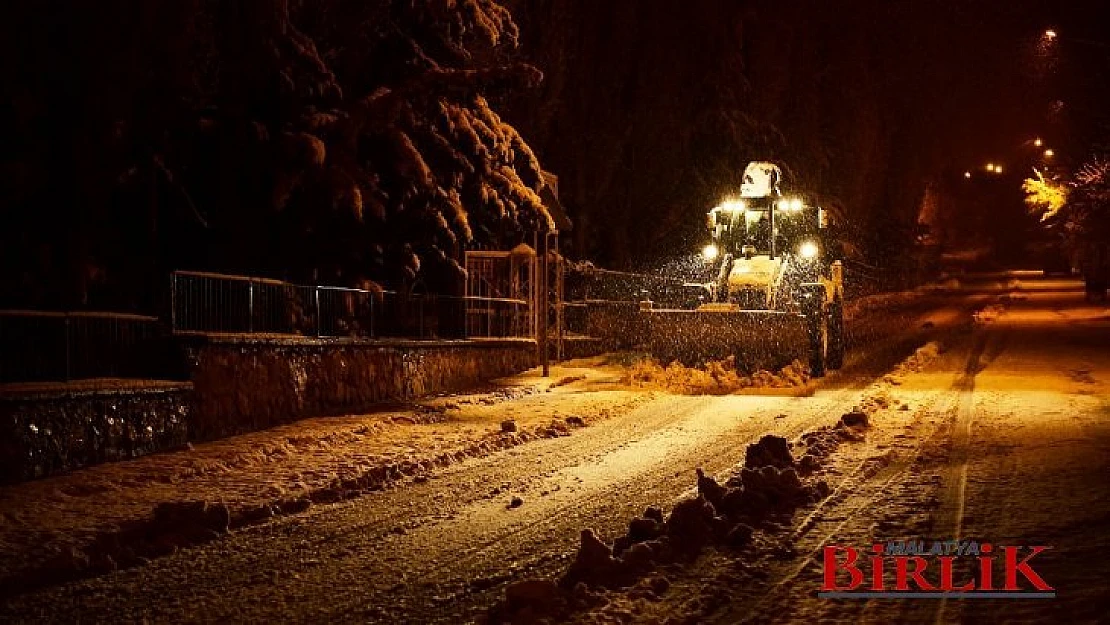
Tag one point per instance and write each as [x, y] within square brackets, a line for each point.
[1049, 153]
[1050, 34]
[1037, 142]
[967, 174]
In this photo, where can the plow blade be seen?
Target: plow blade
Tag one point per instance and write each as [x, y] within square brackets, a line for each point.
[757, 338]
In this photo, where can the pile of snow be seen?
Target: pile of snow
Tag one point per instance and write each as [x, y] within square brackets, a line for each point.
[759, 496]
[769, 451]
[817, 444]
[715, 377]
[919, 359]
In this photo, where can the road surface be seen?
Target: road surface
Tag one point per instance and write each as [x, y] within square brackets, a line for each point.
[1004, 436]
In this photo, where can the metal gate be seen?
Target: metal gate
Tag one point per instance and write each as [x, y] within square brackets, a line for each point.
[506, 283]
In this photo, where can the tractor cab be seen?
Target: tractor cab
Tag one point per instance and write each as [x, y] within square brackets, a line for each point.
[772, 227]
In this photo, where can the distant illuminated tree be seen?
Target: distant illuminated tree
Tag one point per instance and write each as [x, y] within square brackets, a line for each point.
[1044, 196]
[1090, 201]
[1079, 209]
[1093, 178]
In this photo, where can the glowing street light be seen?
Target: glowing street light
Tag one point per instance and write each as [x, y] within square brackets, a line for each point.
[998, 169]
[1049, 153]
[1037, 142]
[990, 166]
[1050, 34]
[967, 174]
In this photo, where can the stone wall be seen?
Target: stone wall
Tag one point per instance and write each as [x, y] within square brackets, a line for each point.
[239, 384]
[51, 428]
[249, 383]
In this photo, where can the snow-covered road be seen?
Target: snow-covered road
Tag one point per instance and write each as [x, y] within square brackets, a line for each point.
[1009, 443]
[1004, 435]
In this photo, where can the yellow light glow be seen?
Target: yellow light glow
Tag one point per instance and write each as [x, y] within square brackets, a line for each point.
[967, 174]
[733, 205]
[998, 169]
[808, 249]
[1044, 195]
[1049, 153]
[990, 166]
[1037, 142]
[1050, 34]
[796, 204]
[710, 252]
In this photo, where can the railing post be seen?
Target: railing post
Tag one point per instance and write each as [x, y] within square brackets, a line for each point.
[173, 302]
[250, 305]
[541, 331]
[67, 347]
[319, 317]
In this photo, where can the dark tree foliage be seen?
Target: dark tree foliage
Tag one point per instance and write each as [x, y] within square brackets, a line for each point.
[346, 140]
[650, 110]
[331, 140]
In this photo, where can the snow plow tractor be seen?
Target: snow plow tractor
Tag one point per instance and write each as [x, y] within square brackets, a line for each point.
[774, 291]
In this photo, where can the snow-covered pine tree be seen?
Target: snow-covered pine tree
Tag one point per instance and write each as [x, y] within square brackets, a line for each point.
[392, 147]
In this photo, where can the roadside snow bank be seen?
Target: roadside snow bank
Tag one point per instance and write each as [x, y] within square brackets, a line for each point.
[118, 515]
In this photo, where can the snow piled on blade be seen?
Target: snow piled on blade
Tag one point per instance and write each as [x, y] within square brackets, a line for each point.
[715, 377]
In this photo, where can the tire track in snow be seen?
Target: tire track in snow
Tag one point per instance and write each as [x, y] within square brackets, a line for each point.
[988, 346]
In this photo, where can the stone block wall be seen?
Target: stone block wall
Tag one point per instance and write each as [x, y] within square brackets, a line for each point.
[250, 383]
[239, 384]
[47, 429]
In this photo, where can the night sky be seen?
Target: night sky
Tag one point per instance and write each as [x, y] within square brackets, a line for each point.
[252, 138]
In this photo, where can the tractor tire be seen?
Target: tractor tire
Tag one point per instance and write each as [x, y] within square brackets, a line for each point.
[835, 354]
[818, 343]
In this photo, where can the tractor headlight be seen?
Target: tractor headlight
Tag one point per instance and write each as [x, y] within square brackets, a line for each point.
[808, 249]
[710, 252]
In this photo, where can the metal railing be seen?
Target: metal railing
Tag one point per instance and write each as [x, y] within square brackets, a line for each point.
[217, 303]
[209, 302]
[40, 346]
